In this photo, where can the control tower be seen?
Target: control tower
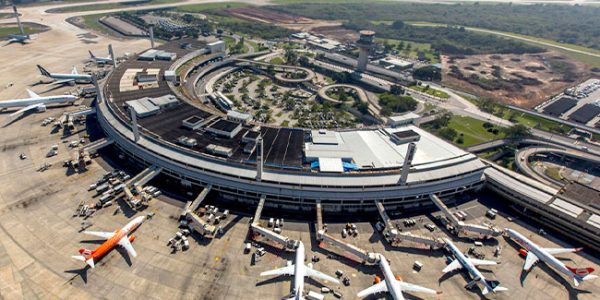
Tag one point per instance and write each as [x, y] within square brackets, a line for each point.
[364, 43]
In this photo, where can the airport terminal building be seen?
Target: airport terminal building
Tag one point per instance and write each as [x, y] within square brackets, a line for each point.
[291, 167]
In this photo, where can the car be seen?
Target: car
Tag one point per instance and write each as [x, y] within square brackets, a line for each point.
[51, 153]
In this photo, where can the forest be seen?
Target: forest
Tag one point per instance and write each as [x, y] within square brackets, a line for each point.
[447, 39]
[572, 24]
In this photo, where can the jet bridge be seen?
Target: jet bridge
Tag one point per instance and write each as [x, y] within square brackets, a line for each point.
[393, 236]
[94, 146]
[194, 221]
[354, 252]
[133, 191]
[259, 231]
[462, 227]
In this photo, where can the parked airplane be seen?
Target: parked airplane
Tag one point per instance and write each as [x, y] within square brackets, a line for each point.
[461, 261]
[534, 253]
[101, 60]
[36, 102]
[299, 270]
[118, 237]
[18, 38]
[74, 77]
[393, 285]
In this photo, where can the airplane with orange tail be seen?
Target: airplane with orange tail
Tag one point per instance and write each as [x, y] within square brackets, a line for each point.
[119, 237]
[392, 284]
[534, 253]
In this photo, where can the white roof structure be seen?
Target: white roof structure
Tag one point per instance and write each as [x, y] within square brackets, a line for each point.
[409, 117]
[567, 208]
[331, 165]
[325, 137]
[164, 101]
[375, 148]
[397, 62]
[236, 115]
[143, 107]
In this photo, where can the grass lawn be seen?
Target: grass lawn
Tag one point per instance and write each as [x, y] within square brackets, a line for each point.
[414, 48]
[277, 61]
[431, 91]
[487, 154]
[535, 121]
[91, 22]
[553, 172]
[5, 31]
[473, 131]
[194, 8]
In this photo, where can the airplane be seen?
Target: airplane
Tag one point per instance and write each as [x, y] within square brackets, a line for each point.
[100, 60]
[534, 253]
[74, 77]
[22, 38]
[36, 102]
[117, 238]
[392, 284]
[299, 271]
[462, 261]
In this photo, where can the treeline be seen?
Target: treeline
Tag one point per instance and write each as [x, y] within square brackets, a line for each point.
[446, 39]
[573, 24]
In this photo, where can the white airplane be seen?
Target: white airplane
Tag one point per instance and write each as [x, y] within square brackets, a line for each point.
[102, 60]
[18, 38]
[36, 102]
[118, 237]
[74, 77]
[393, 285]
[299, 270]
[534, 253]
[462, 261]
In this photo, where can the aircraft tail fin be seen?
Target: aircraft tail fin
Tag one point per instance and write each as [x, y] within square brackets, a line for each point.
[582, 272]
[43, 71]
[495, 285]
[89, 261]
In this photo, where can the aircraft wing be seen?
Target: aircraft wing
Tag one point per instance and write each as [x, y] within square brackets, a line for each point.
[481, 262]
[314, 273]
[381, 287]
[530, 260]
[74, 71]
[287, 270]
[26, 108]
[102, 234]
[454, 265]
[63, 81]
[124, 242]
[32, 94]
[561, 250]
[409, 287]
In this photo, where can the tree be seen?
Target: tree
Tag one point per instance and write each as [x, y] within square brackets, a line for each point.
[429, 73]
[448, 133]
[362, 107]
[518, 131]
[400, 46]
[290, 56]
[398, 24]
[397, 89]
[442, 121]
[342, 95]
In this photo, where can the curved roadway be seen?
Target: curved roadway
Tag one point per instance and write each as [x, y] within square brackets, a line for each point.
[522, 159]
